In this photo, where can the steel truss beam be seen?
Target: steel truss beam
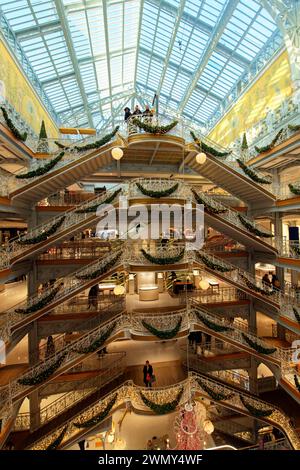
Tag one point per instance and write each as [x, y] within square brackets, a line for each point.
[209, 49]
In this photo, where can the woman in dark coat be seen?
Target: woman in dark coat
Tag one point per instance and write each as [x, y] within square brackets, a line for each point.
[148, 372]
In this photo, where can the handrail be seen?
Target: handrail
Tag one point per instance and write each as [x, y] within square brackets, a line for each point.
[134, 322]
[131, 392]
[69, 399]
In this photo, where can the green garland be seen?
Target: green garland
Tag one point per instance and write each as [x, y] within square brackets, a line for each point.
[252, 174]
[272, 144]
[255, 411]
[257, 346]
[207, 148]
[163, 261]
[296, 249]
[44, 235]
[157, 194]
[244, 142]
[297, 315]
[254, 287]
[99, 417]
[40, 303]
[42, 376]
[211, 325]
[294, 127]
[294, 189]
[12, 127]
[98, 342]
[94, 208]
[98, 143]
[163, 334]
[100, 271]
[42, 170]
[164, 408]
[251, 227]
[297, 383]
[216, 396]
[153, 129]
[61, 146]
[214, 266]
[58, 440]
[208, 207]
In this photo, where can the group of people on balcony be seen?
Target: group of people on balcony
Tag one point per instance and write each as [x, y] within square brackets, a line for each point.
[137, 112]
[272, 283]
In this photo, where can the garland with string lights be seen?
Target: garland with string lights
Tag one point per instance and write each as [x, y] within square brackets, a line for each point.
[294, 127]
[44, 235]
[271, 145]
[47, 299]
[163, 334]
[153, 129]
[252, 174]
[12, 127]
[214, 266]
[207, 206]
[258, 347]
[102, 270]
[254, 287]
[163, 261]
[255, 411]
[216, 396]
[212, 325]
[297, 383]
[157, 194]
[99, 143]
[296, 249]
[61, 146]
[42, 376]
[162, 408]
[99, 417]
[42, 170]
[58, 440]
[249, 225]
[294, 189]
[94, 208]
[206, 148]
[297, 315]
[98, 342]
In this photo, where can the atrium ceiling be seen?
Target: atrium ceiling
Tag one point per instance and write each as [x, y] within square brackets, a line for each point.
[93, 57]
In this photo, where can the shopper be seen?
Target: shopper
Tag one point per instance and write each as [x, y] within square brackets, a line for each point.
[93, 296]
[136, 111]
[148, 373]
[275, 282]
[127, 113]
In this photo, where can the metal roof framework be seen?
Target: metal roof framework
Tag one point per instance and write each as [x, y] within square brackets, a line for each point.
[90, 58]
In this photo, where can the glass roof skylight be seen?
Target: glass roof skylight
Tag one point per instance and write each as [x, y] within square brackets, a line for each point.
[92, 57]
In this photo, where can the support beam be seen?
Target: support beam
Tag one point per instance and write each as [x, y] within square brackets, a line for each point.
[171, 44]
[209, 49]
[138, 41]
[68, 38]
[204, 27]
[105, 21]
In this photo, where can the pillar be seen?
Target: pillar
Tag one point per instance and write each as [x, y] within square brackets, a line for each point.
[33, 355]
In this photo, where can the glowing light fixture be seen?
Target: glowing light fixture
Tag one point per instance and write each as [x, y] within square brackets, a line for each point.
[117, 153]
[201, 158]
[119, 290]
[208, 426]
[204, 285]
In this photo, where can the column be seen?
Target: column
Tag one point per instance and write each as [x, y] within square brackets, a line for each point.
[278, 236]
[33, 355]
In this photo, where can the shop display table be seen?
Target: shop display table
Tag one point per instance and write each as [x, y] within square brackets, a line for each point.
[148, 293]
